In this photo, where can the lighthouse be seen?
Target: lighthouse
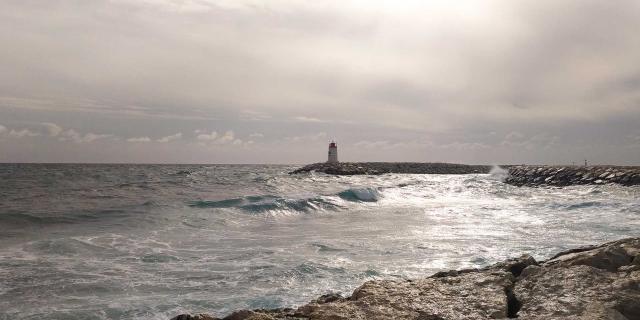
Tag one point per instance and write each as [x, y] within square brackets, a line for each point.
[333, 152]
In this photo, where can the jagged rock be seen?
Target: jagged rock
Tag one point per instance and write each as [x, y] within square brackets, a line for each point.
[610, 258]
[248, 315]
[530, 270]
[579, 292]
[472, 295]
[586, 283]
[569, 175]
[515, 266]
[328, 298]
[194, 317]
[596, 282]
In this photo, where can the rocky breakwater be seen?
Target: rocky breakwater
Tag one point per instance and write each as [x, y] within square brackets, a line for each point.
[598, 282]
[572, 175]
[358, 168]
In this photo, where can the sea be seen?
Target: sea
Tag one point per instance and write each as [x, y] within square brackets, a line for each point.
[99, 241]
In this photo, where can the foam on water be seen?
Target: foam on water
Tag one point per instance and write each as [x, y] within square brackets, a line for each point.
[150, 242]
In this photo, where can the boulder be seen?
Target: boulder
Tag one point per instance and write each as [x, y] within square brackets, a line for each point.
[579, 292]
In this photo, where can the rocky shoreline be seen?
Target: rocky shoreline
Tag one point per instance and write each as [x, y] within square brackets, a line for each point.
[373, 168]
[596, 282]
[528, 175]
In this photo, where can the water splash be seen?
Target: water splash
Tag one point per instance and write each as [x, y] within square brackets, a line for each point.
[498, 173]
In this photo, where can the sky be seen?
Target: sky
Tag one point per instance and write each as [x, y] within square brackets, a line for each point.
[247, 81]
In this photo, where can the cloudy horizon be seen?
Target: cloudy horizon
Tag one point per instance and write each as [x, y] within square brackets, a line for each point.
[246, 81]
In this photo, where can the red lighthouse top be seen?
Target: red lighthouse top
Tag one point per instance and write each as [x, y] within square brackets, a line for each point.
[333, 144]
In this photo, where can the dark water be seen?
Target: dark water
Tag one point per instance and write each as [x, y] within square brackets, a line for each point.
[152, 241]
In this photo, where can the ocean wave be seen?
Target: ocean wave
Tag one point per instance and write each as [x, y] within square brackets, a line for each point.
[586, 204]
[233, 202]
[19, 218]
[159, 258]
[75, 216]
[325, 248]
[361, 194]
[309, 270]
[300, 205]
[266, 203]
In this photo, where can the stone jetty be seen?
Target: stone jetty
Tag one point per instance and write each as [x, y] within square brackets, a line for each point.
[359, 168]
[596, 282]
[528, 175]
[519, 175]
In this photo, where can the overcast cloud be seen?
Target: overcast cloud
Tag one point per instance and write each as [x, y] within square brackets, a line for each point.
[245, 81]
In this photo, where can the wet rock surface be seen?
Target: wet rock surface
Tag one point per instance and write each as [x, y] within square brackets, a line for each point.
[598, 282]
[358, 168]
[572, 175]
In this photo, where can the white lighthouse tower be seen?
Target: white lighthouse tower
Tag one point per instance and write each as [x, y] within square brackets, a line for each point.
[333, 152]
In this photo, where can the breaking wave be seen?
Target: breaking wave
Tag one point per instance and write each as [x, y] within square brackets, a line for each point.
[260, 204]
[361, 194]
[267, 203]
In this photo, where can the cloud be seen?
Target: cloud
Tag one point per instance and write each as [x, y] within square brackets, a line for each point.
[307, 137]
[513, 138]
[382, 144]
[90, 137]
[465, 146]
[170, 138]
[214, 138]
[525, 61]
[207, 136]
[541, 140]
[53, 129]
[226, 138]
[139, 139]
[23, 133]
[253, 115]
[72, 135]
[307, 119]
[369, 71]
[386, 144]
[93, 107]
[3, 129]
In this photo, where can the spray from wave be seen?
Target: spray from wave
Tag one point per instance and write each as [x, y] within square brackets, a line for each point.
[498, 173]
